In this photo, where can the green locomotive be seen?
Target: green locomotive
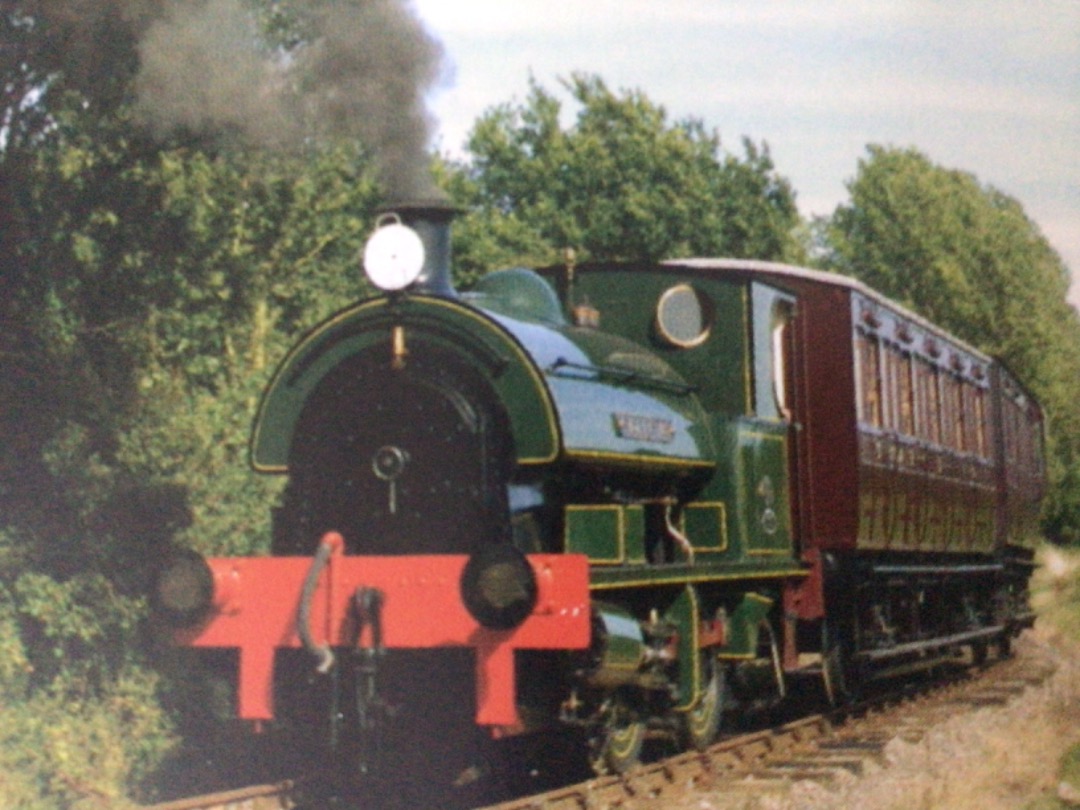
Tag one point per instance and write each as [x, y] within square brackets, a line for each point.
[631, 498]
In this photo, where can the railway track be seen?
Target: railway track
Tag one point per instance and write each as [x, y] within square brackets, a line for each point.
[823, 748]
[278, 796]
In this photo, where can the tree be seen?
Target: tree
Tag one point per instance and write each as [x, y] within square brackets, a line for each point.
[967, 257]
[150, 278]
[268, 245]
[620, 183]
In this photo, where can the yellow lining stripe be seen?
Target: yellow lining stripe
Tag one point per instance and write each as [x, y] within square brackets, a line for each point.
[721, 511]
[679, 579]
[695, 655]
[637, 460]
[775, 437]
[504, 336]
[620, 523]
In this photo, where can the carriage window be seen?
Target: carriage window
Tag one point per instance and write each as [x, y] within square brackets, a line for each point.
[928, 401]
[896, 388]
[905, 398]
[869, 367]
[953, 412]
[975, 420]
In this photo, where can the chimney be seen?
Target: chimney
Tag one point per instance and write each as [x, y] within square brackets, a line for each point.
[431, 220]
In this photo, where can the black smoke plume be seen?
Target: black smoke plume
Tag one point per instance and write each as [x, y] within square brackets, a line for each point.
[341, 69]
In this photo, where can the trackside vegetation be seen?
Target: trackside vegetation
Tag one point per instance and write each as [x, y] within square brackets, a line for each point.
[1057, 598]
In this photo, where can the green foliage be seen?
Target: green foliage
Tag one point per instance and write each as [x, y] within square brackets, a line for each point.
[968, 258]
[270, 247]
[69, 746]
[83, 621]
[196, 443]
[146, 294]
[1070, 766]
[151, 291]
[621, 183]
[80, 725]
[968, 255]
[1055, 591]
[15, 667]
[260, 243]
[146, 291]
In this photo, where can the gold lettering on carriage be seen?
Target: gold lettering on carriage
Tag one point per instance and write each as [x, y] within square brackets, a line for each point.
[644, 428]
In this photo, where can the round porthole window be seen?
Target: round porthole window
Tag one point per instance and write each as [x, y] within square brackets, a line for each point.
[684, 316]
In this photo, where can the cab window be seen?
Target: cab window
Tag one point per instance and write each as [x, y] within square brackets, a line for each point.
[773, 312]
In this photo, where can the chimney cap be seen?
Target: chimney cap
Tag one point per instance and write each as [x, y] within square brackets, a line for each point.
[436, 209]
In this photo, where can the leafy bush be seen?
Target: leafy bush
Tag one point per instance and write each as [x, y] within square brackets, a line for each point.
[80, 724]
[72, 746]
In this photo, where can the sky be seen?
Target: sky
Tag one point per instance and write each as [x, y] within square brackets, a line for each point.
[991, 87]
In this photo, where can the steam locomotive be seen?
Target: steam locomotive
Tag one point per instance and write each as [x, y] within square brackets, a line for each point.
[629, 498]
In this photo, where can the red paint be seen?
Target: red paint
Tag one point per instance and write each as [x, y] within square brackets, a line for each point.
[711, 633]
[257, 598]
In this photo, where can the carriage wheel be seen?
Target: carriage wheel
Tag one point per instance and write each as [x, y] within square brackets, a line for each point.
[617, 746]
[1004, 645]
[979, 653]
[701, 725]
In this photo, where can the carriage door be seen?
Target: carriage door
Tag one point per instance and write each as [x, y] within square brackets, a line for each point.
[771, 459]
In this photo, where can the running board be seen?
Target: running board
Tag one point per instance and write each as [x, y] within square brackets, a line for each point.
[929, 644]
[938, 570]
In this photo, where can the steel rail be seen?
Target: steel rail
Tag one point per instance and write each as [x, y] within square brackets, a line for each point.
[278, 796]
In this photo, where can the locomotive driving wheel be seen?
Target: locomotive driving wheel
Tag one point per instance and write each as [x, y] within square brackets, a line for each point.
[616, 745]
[701, 725]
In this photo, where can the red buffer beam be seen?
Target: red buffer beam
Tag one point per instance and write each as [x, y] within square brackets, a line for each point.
[256, 603]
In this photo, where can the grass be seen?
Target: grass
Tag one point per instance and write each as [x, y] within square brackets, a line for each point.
[1056, 596]
[1056, 592]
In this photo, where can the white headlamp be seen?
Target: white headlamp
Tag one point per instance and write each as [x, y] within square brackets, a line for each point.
[394, 255]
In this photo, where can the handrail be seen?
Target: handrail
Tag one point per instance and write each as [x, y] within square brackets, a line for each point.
[562, 366]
